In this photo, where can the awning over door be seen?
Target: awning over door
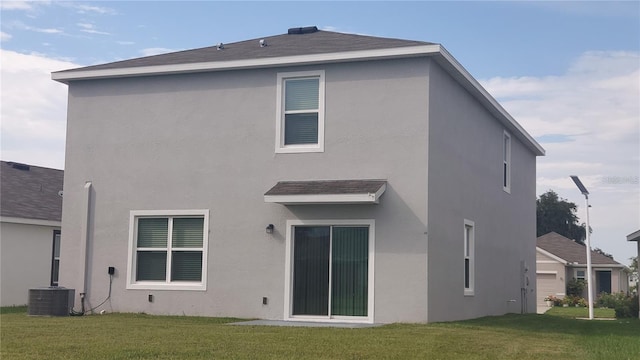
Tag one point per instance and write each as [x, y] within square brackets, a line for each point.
[326, 192]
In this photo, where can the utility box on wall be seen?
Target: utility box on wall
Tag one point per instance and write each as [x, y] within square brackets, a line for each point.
[51, 301]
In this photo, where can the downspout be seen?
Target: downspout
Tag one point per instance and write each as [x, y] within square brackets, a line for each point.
[84, 242]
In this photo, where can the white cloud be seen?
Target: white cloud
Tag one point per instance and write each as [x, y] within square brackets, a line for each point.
[595, 109]
[21, 26]
[90, 29]
[84, 8]
[46, 31]
[125, 42]
[34, 110]
[4, 36]
[16, 5]
[155, 51]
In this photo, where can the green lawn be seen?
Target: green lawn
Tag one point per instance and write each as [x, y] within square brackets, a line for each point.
[135, 336]
[581, 312]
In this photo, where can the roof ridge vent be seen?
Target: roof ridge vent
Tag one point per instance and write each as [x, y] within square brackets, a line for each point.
[302, 30]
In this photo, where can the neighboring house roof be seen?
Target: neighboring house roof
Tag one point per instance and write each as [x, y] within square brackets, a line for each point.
[306, 46]
[30, 192]
[570, 251]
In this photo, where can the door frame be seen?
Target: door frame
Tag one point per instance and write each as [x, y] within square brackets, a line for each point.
[288, 271]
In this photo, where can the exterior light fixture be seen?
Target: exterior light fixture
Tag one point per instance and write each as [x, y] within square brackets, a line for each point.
[585, 192]
[270, 228]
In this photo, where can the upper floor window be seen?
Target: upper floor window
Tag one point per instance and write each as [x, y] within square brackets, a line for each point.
[300, 108]
[506, 162]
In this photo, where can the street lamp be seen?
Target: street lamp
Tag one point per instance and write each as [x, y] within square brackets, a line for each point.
[585, 192]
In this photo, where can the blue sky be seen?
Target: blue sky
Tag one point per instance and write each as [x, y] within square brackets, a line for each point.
[569, 72]
[489, 38]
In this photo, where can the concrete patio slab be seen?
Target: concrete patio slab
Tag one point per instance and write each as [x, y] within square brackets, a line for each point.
[304, 324]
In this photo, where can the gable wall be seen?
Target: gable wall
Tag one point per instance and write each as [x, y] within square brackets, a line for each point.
[465, 182]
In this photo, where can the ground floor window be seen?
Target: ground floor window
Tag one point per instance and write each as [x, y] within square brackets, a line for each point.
[331, 270]
[469, 257]
[168, 249]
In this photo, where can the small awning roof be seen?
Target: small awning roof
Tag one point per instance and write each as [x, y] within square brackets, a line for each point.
[326, 192]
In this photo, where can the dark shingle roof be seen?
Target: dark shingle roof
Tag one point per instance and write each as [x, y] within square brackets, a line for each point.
[570, 250]
[30, 192]
[319, 42]
[326, 187]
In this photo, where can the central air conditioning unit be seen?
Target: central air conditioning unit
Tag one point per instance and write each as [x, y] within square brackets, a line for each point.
[51, 301]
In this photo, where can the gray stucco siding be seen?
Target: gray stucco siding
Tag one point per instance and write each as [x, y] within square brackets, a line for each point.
[465, 182]
[206, 141]
[26, 252]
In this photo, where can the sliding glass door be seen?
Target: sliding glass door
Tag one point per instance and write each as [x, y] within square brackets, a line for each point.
[330, 270]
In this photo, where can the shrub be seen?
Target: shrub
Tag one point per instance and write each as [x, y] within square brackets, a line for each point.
[571, 300]
[582, 302]
[575, 287]
[627, 307]
[607, 300]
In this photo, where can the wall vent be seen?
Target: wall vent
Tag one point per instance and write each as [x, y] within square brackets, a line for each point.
[51, 301]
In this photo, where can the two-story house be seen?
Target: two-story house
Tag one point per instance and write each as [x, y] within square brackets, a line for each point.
[313, 175]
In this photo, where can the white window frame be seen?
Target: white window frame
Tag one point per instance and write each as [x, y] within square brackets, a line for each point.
[469, 239]
[506, 162]
[288, 271]
[280, 113]
[55, 272]
[584, 275]
[132, 284]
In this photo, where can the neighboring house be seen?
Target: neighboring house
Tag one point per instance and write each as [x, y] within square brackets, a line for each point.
[313, 175]
[560, 259]
[31, 208]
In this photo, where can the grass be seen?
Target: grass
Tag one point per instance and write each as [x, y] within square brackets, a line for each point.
[581, 312]
[137, 336]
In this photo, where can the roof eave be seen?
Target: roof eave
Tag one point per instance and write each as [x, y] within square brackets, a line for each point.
[634, 236]
[551, 255]
[30, 221]
[478, 91]
[70, 75]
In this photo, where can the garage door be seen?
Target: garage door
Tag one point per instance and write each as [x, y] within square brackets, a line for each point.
[546, 286]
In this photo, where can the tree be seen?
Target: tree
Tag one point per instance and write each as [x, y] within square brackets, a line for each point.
[602, 252]
[556, 214]
[633, 276]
